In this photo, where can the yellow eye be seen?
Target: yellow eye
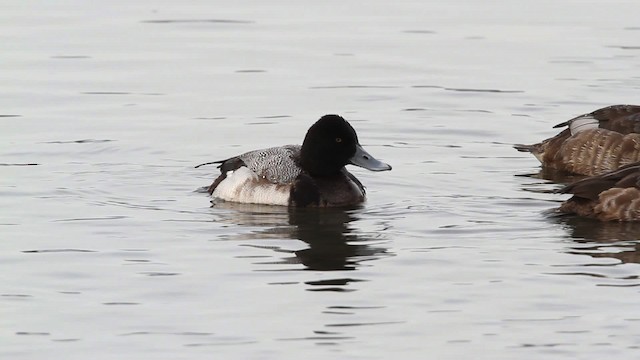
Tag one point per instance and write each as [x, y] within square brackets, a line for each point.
[338, 140]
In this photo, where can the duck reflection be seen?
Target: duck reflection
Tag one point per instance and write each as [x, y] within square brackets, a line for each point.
[597, 239]
[608, 239]
[553, 176]
[332, 243]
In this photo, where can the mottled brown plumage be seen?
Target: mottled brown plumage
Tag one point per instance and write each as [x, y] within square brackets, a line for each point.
[593, 143]
[611, 196]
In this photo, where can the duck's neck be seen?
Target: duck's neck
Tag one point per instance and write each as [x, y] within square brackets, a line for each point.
[317, 164]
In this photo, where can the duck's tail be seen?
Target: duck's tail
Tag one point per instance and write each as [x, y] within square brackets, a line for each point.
[210, 163]
[526, 148]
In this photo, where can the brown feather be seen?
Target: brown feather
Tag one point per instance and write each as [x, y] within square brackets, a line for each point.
[615, 142]
[611, 196]
[622, 204]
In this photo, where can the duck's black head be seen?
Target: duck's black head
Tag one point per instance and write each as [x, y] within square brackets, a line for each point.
[330, 144]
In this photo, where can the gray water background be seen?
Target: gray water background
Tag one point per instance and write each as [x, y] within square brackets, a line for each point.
[108, 248]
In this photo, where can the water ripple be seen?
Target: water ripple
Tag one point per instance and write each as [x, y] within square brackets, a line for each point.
[196, 21]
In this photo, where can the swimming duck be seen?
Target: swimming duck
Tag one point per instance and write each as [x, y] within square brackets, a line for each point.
[313, 174]
[592, 143]
[611, 196]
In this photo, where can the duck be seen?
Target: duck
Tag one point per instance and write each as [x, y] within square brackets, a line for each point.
[309, 175]
[612, 196]
[592, 144]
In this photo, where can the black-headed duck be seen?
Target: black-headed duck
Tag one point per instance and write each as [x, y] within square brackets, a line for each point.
[313, 174]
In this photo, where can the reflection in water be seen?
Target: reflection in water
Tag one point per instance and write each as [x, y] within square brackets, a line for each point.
[558, 177]
[587, 230]
[547, 181]
[332, 243]
[609, 239]
[627, 256]
[607, 246]
[598, 239]
[554, 176]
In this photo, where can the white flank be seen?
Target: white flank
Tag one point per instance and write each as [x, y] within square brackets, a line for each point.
[582, 123]
[244, 186]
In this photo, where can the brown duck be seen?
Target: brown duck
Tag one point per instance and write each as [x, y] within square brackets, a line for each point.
[611, 196]
[592, 143]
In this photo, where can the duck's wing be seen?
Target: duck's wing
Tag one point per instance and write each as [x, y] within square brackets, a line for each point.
[611, 196]
[590, 188]
[624, 119]
[279, 165]
[592, 143]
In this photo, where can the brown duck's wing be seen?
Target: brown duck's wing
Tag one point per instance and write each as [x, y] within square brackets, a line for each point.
[624, 125]
[624, 119]
[611, 196]
[595, 151]
[627, 176]
[615, 204]
[600, 141]
[622, 204]
[591, 187]
[592, 143]
[546, 149]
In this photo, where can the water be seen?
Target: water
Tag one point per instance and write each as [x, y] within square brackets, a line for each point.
[110, 250]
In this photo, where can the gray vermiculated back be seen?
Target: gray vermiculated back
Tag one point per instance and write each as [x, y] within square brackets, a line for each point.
[276, 164]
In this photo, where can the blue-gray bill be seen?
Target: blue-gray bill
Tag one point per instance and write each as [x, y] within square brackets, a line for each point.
[364, 160]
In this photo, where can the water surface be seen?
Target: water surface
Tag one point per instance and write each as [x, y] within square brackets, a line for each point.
[111, 250]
